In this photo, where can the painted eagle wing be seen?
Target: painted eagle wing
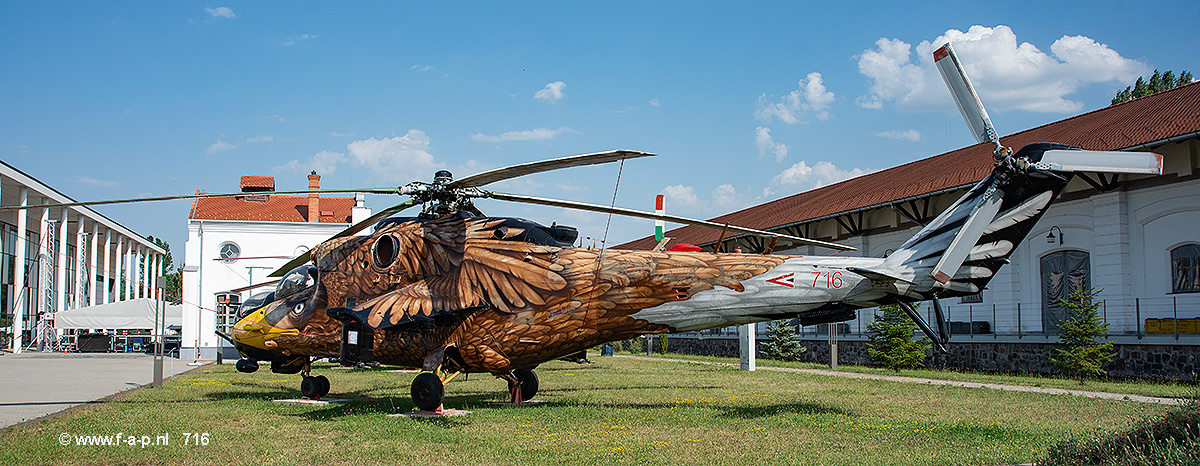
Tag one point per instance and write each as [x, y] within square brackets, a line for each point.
[465, 264]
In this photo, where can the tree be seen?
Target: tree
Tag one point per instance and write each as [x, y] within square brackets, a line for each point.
[782, 342]
[891, 340]
[1084, 349]
[173, 283]
[1158, 82]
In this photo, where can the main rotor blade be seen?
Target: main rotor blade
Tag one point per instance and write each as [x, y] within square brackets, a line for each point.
[654, 216]
[357, 227]
[964, 95]
[501, 174]
[1148, 163]
[202, 196]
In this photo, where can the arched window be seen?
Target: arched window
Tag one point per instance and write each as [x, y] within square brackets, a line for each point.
[1185, 269]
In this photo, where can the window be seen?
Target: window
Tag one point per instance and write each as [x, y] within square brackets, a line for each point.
[230, 252]
[1185, 269]
[227, 307]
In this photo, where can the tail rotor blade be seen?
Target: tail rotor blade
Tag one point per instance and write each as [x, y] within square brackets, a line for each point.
[964, 95]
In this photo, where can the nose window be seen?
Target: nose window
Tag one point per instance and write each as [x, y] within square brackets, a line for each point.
[298, 279]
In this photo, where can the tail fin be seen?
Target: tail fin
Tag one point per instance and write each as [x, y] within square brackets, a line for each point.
[960, 251]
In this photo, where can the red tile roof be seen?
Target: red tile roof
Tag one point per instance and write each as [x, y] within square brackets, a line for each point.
[252, 181]
[276, 209]
[1147, 119]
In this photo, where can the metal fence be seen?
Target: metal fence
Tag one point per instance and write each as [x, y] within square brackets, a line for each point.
[1174, 316]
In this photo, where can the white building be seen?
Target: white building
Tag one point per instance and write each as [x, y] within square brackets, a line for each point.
[1135, 237]
[235, 242]
[60, 258]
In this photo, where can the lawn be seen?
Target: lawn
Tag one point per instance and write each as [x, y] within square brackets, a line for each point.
[1164, 389]
[616, 411]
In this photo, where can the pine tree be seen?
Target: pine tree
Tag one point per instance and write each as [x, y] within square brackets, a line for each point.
[782, 342]
[891, 340]
[1158, 82]
[1083, 352]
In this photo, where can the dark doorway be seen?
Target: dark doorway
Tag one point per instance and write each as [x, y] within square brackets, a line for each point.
[1063, 272]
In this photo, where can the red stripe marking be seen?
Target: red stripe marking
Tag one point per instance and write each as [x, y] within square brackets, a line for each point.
[941, 53]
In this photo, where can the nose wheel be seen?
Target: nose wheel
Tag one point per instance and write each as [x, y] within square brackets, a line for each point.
[313, 387]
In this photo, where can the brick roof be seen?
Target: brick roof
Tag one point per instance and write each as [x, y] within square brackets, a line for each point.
[276, 209]
[1139, 121]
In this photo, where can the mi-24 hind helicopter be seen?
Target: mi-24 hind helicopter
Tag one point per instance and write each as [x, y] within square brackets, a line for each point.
[451, 291]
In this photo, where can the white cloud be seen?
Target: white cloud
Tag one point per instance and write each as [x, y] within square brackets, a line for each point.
[220, 12]
[1007, 75]
[801, 177]
[261, 138]
[341, 135]
[89, 181]
[911, 135]
[553, 92]
[765, 143]
[422, 67]
[398, 160]
[683, 196]
[277, 118]
[219, 146]
[536, 134]
[811, 98]
[293, 40]
[655, 103]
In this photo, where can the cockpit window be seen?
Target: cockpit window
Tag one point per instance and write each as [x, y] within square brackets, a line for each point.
[298, 279]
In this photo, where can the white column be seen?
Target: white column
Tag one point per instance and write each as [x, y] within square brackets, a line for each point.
[117, 268]
[154, 277]
[60, 258]
[81, 264]
[20, 297]
[145, 293]
[107, 269]
[129, 270]
[1111, 259]
[43, 288]
[93, 269]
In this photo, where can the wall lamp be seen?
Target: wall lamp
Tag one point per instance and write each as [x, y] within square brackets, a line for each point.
[1050, 236]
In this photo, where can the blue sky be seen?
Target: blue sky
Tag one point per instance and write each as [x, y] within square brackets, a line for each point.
[743, 102]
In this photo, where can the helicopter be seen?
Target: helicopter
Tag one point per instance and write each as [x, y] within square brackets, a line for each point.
[452, 291]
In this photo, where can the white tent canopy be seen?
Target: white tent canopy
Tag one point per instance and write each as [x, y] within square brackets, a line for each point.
[132, 314]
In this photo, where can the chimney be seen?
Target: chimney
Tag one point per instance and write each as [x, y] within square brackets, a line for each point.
[314, 202]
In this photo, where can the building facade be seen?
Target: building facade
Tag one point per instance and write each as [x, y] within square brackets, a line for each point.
[235, 242]
[55, 258]
[1133, 238]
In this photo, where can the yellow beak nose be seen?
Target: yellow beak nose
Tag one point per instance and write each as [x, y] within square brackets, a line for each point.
[253, 330]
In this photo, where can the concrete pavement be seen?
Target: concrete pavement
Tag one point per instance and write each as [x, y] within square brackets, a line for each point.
[35, 384]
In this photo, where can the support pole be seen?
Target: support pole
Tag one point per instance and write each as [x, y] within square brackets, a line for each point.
[833, 349]
[746, 346]
[20, 297]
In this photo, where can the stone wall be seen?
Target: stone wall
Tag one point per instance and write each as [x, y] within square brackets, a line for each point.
[1138, 360]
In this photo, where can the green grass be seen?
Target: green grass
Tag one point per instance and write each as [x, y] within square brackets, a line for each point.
[1126, 386]
[617, 411]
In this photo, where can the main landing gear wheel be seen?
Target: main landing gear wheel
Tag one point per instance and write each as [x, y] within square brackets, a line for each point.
[529, 385]
[314, 387]
[428, 391]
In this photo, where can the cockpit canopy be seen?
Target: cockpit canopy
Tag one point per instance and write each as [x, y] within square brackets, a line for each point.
[296, 280]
